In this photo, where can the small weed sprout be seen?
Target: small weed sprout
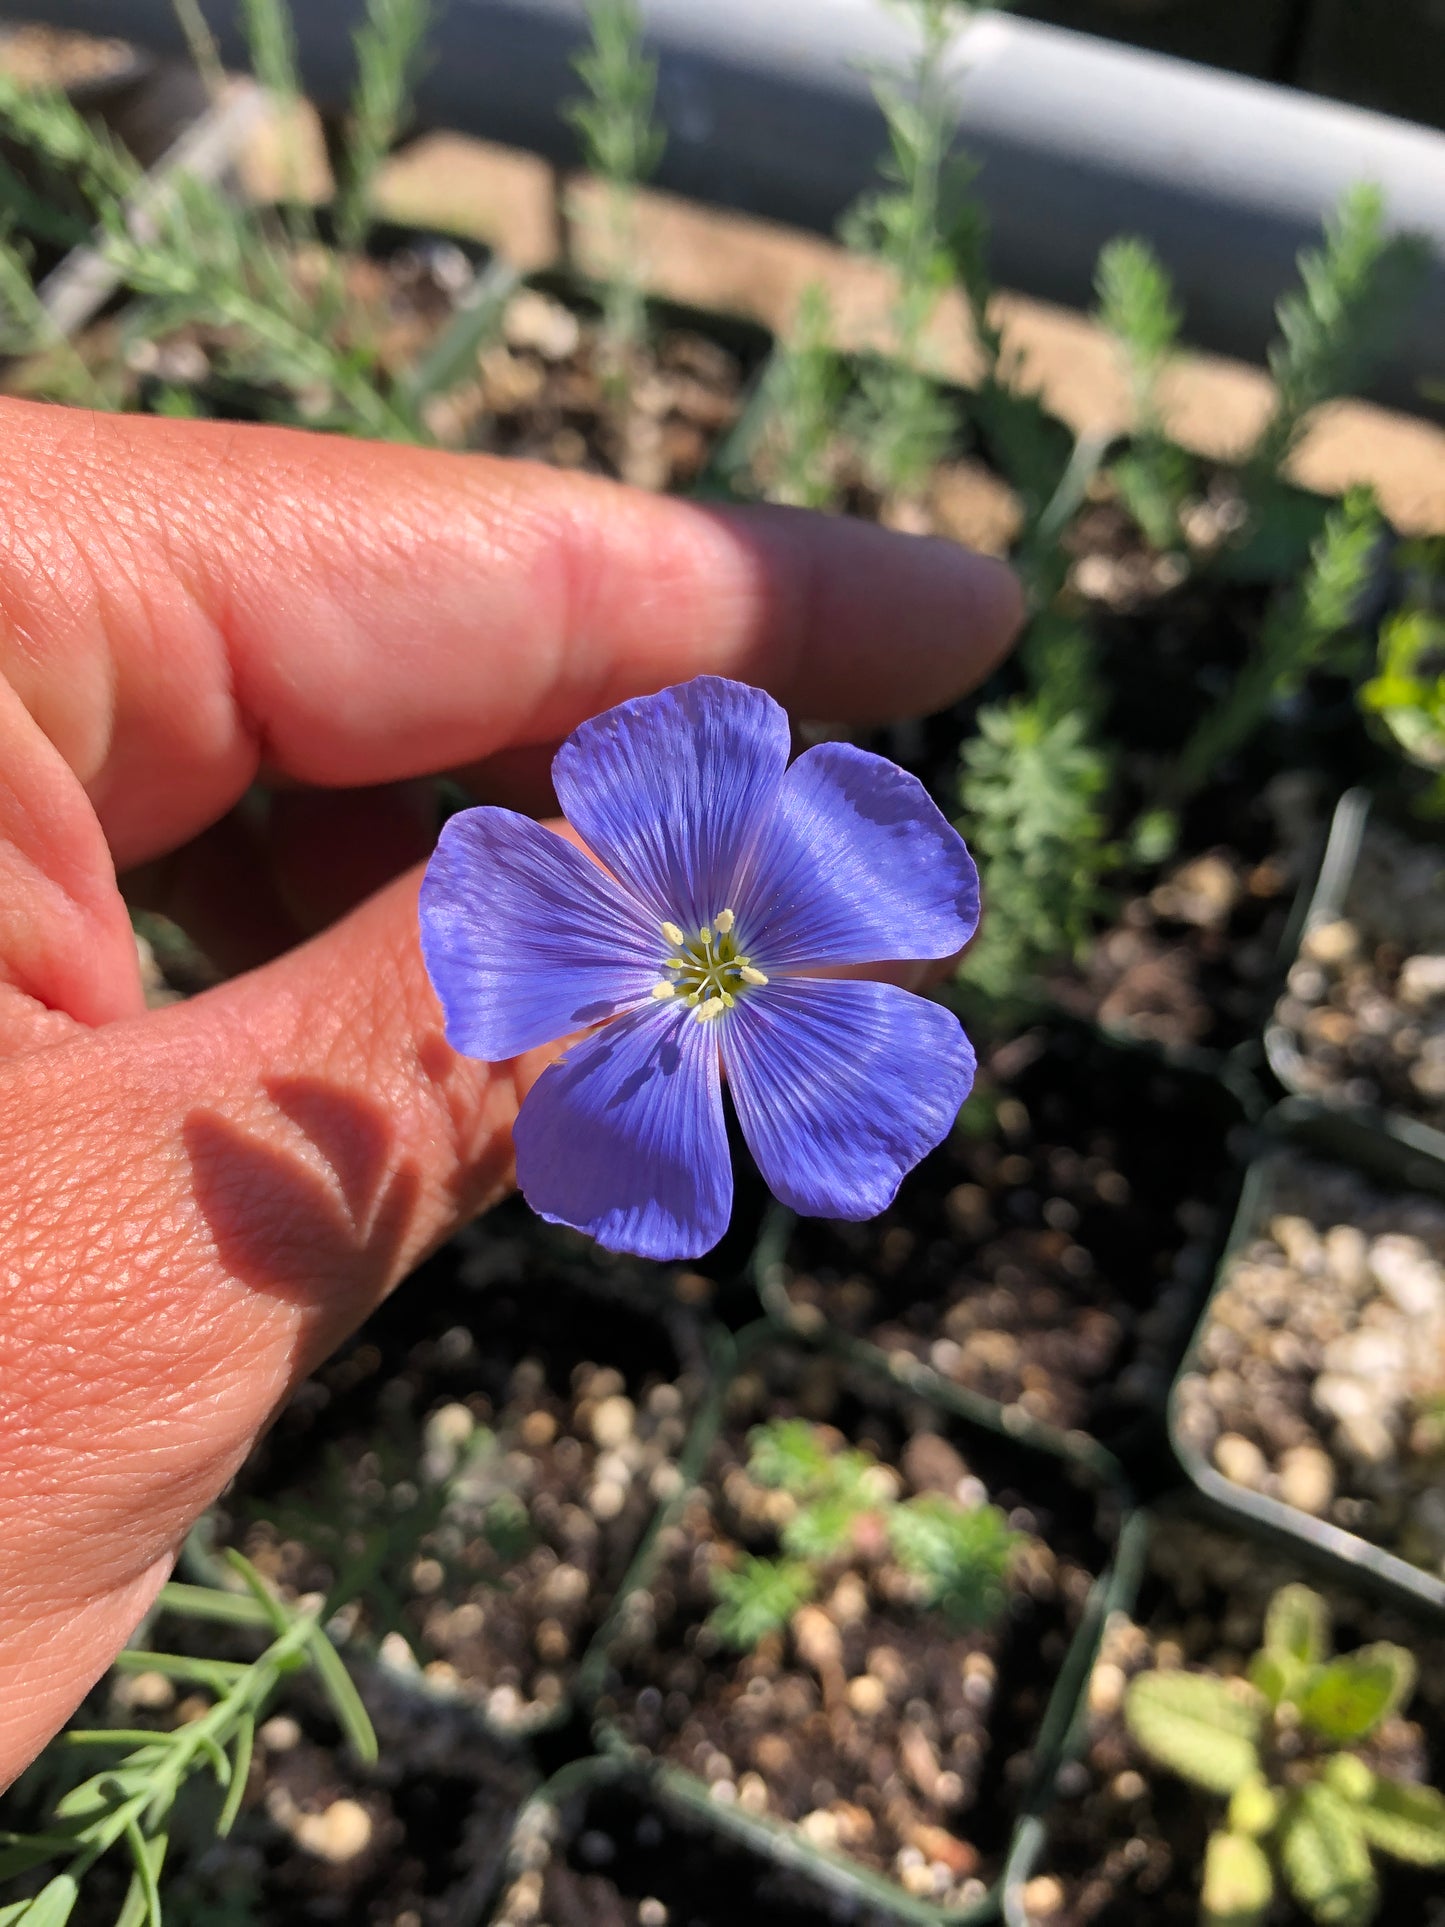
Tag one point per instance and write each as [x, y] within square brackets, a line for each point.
[1280, 1748]
[130, 1802]
[1313, 626]
[622, 145]
[957, 1556]
[1138, 308]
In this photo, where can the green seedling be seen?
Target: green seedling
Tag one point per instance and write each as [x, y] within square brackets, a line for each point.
[900, 422]
[622, 145]
[1337, 327]
[197, 258]
[958, 1556]
[1314, 626]
[1280, 1746]
[1136, 304]
[1032, 786]
[129, 1804]
[801, 401]
[1407, 693]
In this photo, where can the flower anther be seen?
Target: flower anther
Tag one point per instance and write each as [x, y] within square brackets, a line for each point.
[709, 972]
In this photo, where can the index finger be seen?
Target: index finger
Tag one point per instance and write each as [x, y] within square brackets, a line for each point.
[181, 603]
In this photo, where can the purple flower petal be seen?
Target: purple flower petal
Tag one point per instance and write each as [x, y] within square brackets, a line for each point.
[623, 1138]
[672, 790]
[525, 939]
[842, 1087]
[858, 866]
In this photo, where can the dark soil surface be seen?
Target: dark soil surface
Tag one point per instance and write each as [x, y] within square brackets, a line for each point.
[1362, 1020]
[546, 390]
[1320, 1376]
[886, 1736]
[619, 1859]
[1053, 1252]
[1191, 958]
[469, 1476]
[537, 384]
[1126, 1839]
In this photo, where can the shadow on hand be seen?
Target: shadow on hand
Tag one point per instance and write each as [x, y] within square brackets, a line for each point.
[320, 1219]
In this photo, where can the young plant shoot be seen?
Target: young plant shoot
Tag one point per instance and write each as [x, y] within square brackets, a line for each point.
[1138, 308]
[956, 1556]
[129, 1805]
[899, 420]
[621, 144]
[732, 881]
[1032, 784]
[1407, 693]
[1305, 1804]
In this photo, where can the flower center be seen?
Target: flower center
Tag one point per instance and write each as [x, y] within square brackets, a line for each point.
[707, 971]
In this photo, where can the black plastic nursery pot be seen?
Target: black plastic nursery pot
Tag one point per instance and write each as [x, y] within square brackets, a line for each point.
[645, 1712]
[1041, 1271]
[1331, 939]
[1247, 40]
[595, 1847]
[477, 1477]
[1118, 1839]
[1393, 1174]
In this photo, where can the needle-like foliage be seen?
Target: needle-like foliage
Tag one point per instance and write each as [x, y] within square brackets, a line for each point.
[128, 1803]
[622, 144]
[1138, 308]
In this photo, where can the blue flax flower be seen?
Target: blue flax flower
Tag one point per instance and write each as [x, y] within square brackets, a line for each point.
[733, 886]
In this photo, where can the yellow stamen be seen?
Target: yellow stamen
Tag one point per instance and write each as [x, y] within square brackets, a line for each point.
[708, 971]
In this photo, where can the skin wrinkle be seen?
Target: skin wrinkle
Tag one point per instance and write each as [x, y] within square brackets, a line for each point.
[168, 1279]
[36, 585]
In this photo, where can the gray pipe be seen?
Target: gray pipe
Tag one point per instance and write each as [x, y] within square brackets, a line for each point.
[768, 110]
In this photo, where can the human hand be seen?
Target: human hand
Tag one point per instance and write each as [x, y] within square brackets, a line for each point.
[197, 1203]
